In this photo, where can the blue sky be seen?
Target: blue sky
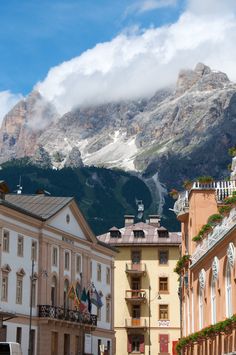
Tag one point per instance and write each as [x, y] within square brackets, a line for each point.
[36, 35]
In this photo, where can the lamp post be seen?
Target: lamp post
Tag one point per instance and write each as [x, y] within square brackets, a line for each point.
[149, 320]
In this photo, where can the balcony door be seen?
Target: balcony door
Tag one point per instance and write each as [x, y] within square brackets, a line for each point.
[135, 285]
[136, 315]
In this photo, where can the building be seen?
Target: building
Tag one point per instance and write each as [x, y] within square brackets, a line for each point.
[52, 232]
[147, 305]
[207, 269]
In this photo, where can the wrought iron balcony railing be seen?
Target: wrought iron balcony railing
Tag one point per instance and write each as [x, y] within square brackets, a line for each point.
[53, 312]
[135, 295]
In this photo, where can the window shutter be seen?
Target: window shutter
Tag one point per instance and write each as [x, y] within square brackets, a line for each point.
[129, 344]
[164, 340]
[141, 348]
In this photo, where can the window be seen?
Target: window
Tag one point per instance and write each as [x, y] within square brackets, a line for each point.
[65, 294]
[54, 291]
[5, 243]
[136, 343]
[200, 308]
[99, 272]
[115, 234]
[163, 234]
[34, 250]
[163, 311]
[136, 256]
[163, 284]
[108, 275]
[163, 257]
[4, 293]
[67, 260]
[229, 312]
[20, 245]
[54, 256]
[213, 300]
[19, 288]
[18, 335]
[78, 264]
[33, 293]
[139, 234]
[108, 306]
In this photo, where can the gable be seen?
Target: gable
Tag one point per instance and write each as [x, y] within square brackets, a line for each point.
[67, 222]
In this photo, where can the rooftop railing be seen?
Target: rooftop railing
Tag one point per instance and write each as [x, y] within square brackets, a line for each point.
[214, 237]
[222, 189]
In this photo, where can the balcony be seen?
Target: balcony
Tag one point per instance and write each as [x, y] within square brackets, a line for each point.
[135, 296]
[60, 313]
[136, 323]
[135, 269]
[214, 237]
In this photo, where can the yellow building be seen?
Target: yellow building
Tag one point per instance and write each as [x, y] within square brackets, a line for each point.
[146, 288]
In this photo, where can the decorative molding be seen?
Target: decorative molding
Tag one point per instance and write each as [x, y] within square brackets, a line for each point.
[231, 254]
[163, 323]
[202, 278]
[21, 272]
[215, 268]
[6, 268]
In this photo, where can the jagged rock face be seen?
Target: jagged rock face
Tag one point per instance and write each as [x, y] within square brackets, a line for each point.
[131, 135]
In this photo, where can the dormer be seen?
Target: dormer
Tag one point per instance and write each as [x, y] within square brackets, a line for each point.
[138, 232]
[115, 232]
[163, 232]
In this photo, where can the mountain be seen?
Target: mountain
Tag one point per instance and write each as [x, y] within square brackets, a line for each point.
[179, 133]
[103, 195]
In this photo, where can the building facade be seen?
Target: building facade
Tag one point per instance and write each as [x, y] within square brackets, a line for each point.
[208, 218]
[147, 304]
[46, 247]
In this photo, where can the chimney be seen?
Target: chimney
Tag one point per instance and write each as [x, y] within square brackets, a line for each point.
[129, 220]
[154, 220]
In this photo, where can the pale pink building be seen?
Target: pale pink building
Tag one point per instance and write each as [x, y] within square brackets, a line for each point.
[208, 280]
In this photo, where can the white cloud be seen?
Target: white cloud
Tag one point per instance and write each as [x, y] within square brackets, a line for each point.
[149, 5]
[7, 101]
[137, 64]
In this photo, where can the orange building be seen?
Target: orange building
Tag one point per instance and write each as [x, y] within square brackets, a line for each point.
[207, 268]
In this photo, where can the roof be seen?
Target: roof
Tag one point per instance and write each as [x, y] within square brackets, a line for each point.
[151, 236]
[38, 206]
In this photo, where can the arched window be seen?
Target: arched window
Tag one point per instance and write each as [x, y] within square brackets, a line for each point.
[54, 291]
[65, 294]
[201, 313]
[228, 292]
[213, 300]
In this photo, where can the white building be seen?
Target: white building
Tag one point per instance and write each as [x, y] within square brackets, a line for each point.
[52, 232]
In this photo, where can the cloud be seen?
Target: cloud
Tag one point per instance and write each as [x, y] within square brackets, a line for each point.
[138, 63]
[149, 5]
[7, 101]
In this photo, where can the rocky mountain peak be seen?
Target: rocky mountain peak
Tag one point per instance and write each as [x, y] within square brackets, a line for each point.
[202, 78]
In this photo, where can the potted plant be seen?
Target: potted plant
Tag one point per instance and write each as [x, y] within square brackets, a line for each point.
[205, 179]
[225, 210]
[215, 219]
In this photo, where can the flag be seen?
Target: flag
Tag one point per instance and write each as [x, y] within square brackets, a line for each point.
[89, 302]
[96, 299]
[71, 293]
[83, 301]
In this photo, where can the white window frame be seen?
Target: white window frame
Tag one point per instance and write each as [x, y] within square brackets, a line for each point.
[19, 290]
[78, 265]
[5, 241]
[228, 291]
[213, 300]
[4, 288]
[201, 307]
[20, 245]
[67, 262]
[34, 249]
[54, 256]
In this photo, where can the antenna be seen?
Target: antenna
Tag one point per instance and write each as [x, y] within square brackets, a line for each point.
[19, 187]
